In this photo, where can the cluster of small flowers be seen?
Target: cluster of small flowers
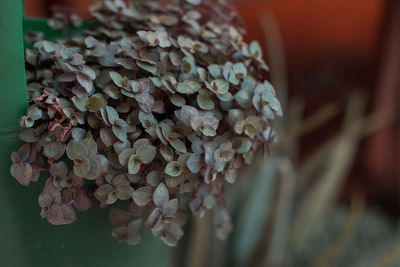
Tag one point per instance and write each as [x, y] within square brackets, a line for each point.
[158, 104]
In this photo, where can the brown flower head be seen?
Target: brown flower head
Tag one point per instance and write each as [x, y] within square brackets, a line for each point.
[156, 105]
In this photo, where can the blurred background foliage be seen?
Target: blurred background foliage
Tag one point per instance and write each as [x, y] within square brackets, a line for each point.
[328, 193]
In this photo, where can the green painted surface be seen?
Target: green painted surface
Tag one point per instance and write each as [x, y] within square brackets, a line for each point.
[27, 239]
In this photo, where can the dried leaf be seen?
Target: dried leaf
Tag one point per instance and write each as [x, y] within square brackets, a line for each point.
[161, 195]
[142, 196]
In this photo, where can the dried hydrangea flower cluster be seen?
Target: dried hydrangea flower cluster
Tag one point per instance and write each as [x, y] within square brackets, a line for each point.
[159, 105]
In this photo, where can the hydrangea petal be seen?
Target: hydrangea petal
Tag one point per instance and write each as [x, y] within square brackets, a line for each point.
[161, 195]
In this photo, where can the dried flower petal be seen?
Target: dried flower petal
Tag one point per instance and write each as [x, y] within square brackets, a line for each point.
[76, 150]
[22, 172]
[82, 202]
[173, 168]
[102, 193]
[142, 196]
[124, 191]
[119, 217]
[194, 162]
[146, 153]
[161, 195]
[171, 207]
